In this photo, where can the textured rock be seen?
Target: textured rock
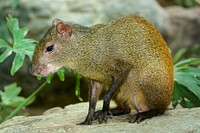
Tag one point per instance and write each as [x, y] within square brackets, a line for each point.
[59, 120]
[90, 12]
[184, 28]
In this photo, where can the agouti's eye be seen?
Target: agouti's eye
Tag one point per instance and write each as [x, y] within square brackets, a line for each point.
[49, 48]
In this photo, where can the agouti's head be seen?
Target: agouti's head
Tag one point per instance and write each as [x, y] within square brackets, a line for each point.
[51, 52]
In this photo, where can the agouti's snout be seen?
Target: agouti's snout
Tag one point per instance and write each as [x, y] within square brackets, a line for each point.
[35, 71]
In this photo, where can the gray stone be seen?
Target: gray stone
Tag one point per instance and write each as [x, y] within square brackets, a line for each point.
[59, 120]
[184, 30]
[90, 12]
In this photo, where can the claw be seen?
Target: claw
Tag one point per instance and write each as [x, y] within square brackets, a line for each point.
[137, 118]
[145, 115]
[85, 123]
[102, 116]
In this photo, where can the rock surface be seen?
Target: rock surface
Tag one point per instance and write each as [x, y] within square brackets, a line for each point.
[184, 27]
[57, 120]
[42, 12]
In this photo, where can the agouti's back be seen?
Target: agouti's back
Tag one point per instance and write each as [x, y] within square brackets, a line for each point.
[131, 40]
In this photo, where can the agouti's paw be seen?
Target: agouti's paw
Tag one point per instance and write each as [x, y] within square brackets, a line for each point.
[102, 116]
[145, 115]
[137, 118]
[86, 122]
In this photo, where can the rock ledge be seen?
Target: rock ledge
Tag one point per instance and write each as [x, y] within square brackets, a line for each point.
[58, 120]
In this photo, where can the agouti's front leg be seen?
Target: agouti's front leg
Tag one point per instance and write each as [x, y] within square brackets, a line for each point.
[94, 92]
[102, 115]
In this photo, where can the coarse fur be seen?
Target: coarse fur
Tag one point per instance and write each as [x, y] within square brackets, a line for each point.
[129, 48]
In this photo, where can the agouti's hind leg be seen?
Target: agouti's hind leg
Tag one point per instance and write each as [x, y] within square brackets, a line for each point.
[145, 115]
[144, 112]
[121, 109]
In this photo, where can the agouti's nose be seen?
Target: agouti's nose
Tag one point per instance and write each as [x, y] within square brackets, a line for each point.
[35, 71]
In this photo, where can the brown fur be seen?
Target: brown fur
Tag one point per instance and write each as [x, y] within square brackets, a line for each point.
[129, 47]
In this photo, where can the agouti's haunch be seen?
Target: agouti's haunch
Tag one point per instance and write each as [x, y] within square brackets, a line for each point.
[128, 56]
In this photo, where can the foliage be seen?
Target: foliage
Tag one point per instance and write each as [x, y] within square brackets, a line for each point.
[179, 54]
[10, 95]
[10, 100]
[21, 46]
[192, 51]
[26, 102]
[77, 86]
[15, 3]
[186, 82]
[187, 3]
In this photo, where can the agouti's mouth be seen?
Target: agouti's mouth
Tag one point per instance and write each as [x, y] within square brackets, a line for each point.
[36, 71]
[44, 69]
[40, 70]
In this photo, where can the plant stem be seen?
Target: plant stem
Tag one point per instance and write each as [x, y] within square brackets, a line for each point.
[77, 86]
[19, 108]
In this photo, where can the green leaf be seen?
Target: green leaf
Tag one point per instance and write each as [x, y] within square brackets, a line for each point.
[182, 95]
[49, 78]
[17, 63]
[10, 95]
[5, 54]
[15, 3]
[61, 74]
[189, 79]
[39, 77]
[186, 104]
[21, 46]
[188, 62]
[12, 23]
[18, 36]
[176, 94]
[178, 55]
[3, 44]
[187, 83]
[26, 102]
[77, 87]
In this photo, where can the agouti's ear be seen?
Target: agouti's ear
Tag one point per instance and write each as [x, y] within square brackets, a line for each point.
[64, 30]
[56, 21]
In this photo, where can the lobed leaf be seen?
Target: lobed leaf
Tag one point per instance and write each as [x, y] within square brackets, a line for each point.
[187, 83]
[183, 95]
[17, 63]
[188, 62]
[12, 23]
[10, 95]
[189, 80]
[19, 35]
[5, 54]
[178, 55]
[21, 46]
[3, 44]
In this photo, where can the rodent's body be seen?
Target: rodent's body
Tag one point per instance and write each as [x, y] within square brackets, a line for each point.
[129, 48]
[130, 43]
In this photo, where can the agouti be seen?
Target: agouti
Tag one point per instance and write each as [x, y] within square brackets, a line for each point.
[128, 57]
